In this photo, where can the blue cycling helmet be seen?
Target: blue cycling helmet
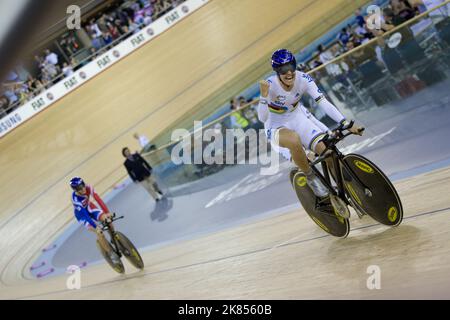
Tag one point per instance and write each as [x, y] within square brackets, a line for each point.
[76, 183]
[283, 57]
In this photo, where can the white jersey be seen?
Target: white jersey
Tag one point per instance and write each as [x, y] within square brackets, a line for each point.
[284, 105]
[283, 109]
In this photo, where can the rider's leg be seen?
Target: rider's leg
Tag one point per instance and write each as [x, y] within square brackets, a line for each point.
[102, 240]
[291, 140]
[320, 148]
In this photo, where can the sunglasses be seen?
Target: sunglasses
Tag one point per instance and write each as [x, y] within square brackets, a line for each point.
[79, 188]
[286, 68]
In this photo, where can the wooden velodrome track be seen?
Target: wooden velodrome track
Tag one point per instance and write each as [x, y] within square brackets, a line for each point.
[280, 257]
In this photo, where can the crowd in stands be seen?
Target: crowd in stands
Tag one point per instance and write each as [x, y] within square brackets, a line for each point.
[353, 36]
[107, 29]
[395, 13]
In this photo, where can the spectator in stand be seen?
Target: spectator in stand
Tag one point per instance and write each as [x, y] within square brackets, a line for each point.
[4, 105]
[51, 58]
[112, 29]
[327, 56]
[107, 38]
[49, 69]
[303, 68]
[40, 87]
[39, 61]
[132, 26]
[31, 83]
[135, 7]
[237, 120]
[121, 28]
[70, 45]
[402, 11]
[241, 102]
[97, 42]
[67, 69]
[359, 18]
[143, 140]
[363, 33]
[122, 16]
[344, 37]
[316, 63]
[93, 26]
[141, 14]
[101, 22]
[23, 92]
[148, 17]
[10, 94]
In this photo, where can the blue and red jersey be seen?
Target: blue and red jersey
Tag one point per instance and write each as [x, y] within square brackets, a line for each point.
[85, 210]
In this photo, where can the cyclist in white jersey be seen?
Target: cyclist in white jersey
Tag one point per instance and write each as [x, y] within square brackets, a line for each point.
[288, 124]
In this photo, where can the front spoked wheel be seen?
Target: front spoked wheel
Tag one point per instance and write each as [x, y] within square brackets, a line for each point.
[324, 215]
[377, 196]
[129, 250]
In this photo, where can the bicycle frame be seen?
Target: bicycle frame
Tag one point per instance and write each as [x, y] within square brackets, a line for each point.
[111, 233]
[114, 242]
[337, 158]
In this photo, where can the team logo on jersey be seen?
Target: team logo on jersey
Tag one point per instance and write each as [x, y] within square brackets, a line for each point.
[281, 100]
[308, 77]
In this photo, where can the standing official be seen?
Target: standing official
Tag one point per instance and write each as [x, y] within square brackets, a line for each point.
[140, 171]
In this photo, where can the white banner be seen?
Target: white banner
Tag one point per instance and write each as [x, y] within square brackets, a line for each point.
[104, 61]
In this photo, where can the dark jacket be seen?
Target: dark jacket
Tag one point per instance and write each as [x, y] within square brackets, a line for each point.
[138, 169]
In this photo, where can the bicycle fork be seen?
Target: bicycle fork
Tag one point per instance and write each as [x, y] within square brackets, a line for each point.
[114, 244]
[338, 177]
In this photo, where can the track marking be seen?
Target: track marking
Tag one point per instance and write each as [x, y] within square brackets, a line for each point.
[267, 249]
